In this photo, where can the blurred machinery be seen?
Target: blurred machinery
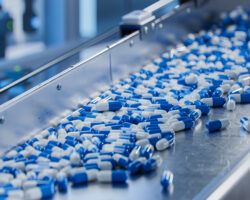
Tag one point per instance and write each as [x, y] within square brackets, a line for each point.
[6, 26]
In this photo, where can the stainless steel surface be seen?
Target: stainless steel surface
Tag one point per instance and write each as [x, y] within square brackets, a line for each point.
[198, 160]
[52, 98]
[102, 39]
[236, 185]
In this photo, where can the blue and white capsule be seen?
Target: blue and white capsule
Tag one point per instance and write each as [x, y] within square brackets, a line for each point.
[83, 177]
[182, 125]
[215, 102]
[108, 106]
[121, 160]
[11, 193]
[217, 125]
[62, 182]
[243, 98]
[115, 176]
[244, 121]
[167, 179]
[164, 143]
[231, 104]
[41, 192]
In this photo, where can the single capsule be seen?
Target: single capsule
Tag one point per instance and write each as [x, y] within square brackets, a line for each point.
[217, 125]
[231, 104]
[40, 192]
[121, 160]
[150, 165]
[182, 125]
[135, 166]
[12, 193]
[167, 179]
[83, 177]
[204, 108]
[191, 79]
[215, 102]
[105, 165]
[244, 121]
[33, 183]
[108, 106]
[164, 143]
[115, 176]
[62, 182]
[243, 98]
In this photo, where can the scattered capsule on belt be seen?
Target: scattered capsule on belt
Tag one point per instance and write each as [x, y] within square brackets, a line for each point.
[115, 176]
[62, 182]
[12, 193]
[163, 144]
[244, 121]
[231, 104]
[121, 160]
[41, 192]
[214, 101]
[108, 106]
[182, 125]
[167, 179]
[217, 125]
[243, 98]
[83, 177]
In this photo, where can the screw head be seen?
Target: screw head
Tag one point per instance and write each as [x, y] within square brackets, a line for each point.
[2, 119]
[153, 25]
[59, 87]
[131, 43]
[160, 25]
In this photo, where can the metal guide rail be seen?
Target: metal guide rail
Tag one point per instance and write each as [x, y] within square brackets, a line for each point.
[199, 161]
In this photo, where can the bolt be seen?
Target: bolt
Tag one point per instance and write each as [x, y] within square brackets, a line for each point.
[160, 25]
[131, 43]
[2, 119]
[58, 87]
[153, 25]
[188, 10]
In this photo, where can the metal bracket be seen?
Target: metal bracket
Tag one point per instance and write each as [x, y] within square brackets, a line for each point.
[134, 20]
[137, 19]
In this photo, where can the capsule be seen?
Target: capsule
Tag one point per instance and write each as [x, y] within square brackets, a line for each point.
[244, 121]
[217, 125]
[231, 104]
[214, 102]
[33, 183]
[135, 166]
[191, 79]
[62, 182]
[204, 108]
[121, 160]
[243, 98]
[12, 193]
[167, 179]
[182, 125]
[150, 165]
[83, 177]
[163, 144]
[115, 176]
[108, 106]
[40, 192]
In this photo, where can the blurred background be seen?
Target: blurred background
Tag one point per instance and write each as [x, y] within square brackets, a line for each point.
[35, 32]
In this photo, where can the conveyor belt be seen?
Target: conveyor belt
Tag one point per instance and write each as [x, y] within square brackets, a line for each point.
[197, 158]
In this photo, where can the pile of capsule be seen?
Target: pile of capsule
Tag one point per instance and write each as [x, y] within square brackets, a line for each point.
[118, 132]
